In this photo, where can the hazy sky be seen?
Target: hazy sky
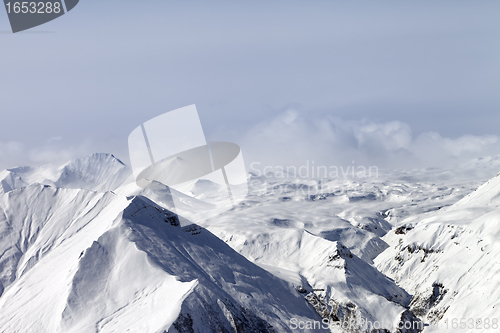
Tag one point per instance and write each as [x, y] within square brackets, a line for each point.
[386, 82]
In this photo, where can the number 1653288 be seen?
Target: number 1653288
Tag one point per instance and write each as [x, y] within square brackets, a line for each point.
[33, 7]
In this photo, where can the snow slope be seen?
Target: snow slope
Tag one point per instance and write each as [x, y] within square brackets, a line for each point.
[84, 261]
[83, 249]
[97, 172]
[292, 227]
[313, 241]
[448, 259]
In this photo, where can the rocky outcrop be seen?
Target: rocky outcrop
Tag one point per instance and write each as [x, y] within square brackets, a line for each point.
[426, 304]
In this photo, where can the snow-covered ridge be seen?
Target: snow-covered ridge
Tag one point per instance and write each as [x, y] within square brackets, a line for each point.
[448, 259]
[83, 249]
[487, 194]
[109, 263]
[97, 172]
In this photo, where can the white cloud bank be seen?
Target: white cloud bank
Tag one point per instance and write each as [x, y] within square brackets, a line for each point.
[53, 151]
[292, 139]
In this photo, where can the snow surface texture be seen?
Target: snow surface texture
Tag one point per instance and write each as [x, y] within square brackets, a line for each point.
[449, 260]
[83, 249]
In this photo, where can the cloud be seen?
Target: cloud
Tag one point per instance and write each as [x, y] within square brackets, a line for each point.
[53, 151]
[291, 138]
[9, 151]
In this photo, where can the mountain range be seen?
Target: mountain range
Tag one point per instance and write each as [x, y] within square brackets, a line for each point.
[84, 249]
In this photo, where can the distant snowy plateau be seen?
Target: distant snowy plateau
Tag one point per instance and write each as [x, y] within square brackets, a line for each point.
[84, 249]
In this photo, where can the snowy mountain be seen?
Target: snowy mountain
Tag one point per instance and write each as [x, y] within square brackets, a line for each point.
[84, 261]
[448, 259]
[98, 172]
[83, 249]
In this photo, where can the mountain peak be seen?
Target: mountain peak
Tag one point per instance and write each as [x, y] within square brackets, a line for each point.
[146, 210]
[98, 157]
[487, 194]
[97, 172]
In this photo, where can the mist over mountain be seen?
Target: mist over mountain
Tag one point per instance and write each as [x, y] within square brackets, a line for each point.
[84, 249]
